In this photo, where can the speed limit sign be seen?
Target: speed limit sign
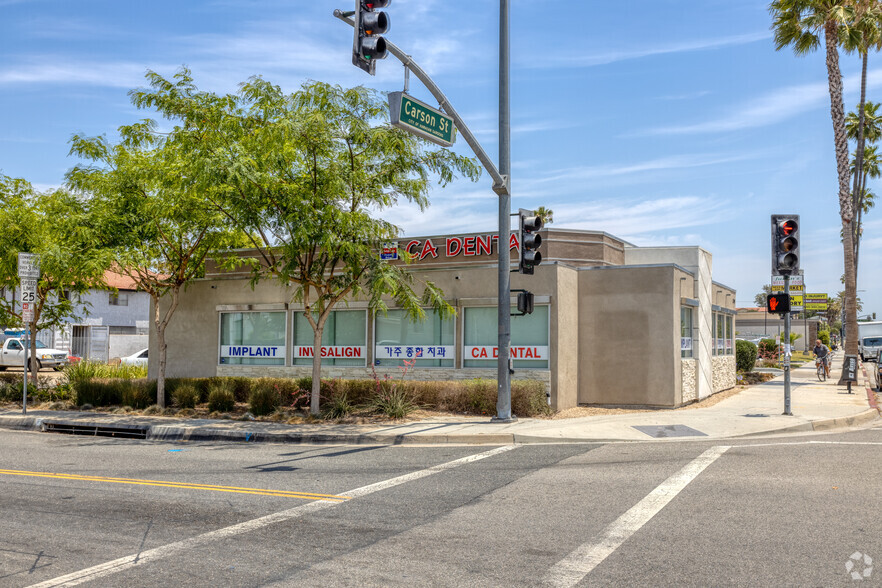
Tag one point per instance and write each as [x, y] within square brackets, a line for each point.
[28, 299]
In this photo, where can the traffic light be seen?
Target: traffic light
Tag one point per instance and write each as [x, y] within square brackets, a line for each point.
[530, 240]
[368, 45]
[778, 303]
[525, 302]
[785, 244]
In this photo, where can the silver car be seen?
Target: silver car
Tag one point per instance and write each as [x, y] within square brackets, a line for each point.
[137, 358]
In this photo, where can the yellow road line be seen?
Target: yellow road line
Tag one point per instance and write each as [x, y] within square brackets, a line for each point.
[185, 485]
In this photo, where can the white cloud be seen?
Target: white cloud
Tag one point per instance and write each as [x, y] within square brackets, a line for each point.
[559, 59]
[660, 164]
[772, 108]
[629, 219]
[51, 70]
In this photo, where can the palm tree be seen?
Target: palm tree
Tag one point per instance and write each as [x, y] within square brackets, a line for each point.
[861, 34]
[546, 214]
[799, 23]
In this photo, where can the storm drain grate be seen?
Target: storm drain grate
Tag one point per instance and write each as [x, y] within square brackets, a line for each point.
[123, 431]
[665, 431]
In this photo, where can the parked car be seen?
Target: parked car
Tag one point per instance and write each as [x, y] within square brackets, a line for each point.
[137, 358]
[12, 355]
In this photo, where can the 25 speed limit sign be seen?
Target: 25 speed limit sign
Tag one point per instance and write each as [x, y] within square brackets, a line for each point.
[28, 298]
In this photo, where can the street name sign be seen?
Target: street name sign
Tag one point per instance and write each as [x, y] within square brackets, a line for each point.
[421, 119]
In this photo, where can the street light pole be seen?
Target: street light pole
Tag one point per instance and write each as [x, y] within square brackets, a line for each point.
[503, 395]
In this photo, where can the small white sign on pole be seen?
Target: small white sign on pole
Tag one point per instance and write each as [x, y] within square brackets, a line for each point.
[28, 265]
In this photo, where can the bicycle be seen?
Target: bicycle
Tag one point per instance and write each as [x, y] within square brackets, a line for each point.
[821, 368]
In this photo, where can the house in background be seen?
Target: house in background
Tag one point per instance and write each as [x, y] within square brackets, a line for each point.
[114, 323]
[111, 322]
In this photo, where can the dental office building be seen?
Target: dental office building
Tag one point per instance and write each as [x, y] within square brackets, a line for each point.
[613, 324]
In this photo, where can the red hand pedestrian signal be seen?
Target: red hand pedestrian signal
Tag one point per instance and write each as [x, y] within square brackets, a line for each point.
[778, 303]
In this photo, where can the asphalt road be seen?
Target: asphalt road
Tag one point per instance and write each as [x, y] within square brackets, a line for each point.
[109, 512]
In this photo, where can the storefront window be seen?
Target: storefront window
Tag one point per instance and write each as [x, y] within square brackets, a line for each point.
[252, 338]
[685, 331]
[343, 339]
[719, 334]
[430, 343]
[730, 343]
[529, 338]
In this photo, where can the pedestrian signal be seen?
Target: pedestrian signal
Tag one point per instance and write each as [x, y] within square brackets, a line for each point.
[778, 303]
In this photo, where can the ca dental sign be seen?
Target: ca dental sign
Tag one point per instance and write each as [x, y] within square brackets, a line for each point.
[471, 246]
[514, 352]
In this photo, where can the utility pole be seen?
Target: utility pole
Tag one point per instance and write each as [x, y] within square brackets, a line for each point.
[500, 176]
[503, 371]
[787, 352]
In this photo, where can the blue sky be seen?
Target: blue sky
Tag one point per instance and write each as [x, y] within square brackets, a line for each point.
[663, 122]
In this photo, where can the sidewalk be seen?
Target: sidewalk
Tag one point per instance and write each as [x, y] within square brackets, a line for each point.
[754, 411]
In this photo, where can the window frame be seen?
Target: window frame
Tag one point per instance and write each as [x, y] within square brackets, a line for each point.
[220, 323]
[293, 331]
[493, 362]
[429, 313]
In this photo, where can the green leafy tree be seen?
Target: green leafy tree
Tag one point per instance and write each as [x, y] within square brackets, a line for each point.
[800, 24]
[56, 226]
[152, 217]
[546, 214]
[304, 175]
[761, 298]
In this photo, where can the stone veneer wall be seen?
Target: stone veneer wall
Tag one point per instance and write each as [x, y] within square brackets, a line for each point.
[689, 380]
[724, 372]
[353, 373]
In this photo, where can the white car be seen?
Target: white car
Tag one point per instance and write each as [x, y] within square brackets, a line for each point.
[137, 358]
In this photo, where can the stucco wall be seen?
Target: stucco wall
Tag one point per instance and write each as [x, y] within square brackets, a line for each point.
[565, 358]
[724, 372]
[627, 336]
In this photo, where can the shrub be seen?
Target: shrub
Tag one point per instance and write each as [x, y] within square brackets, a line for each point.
[528, 398]
[767, 349]
[824, 336]
[221, 397]
[139, 394]
[394, 402]
[745, 356]
[338, 406]
[186, 396]
[265, 397]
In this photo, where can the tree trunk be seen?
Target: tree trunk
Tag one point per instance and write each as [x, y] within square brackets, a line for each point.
[859, 181]
[846, 208]
[160, 341]
[316, 367]
[161, 324]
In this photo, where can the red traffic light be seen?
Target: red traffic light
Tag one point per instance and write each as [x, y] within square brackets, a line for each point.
[788, 227]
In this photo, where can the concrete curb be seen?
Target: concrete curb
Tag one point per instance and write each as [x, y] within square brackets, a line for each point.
[175, 433]
[864, 417]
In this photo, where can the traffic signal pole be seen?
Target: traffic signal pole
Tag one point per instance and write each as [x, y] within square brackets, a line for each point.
[503, 373]
[500, 187]
[787, 352]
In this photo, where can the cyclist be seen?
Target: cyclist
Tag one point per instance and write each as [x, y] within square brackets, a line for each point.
[823, 353]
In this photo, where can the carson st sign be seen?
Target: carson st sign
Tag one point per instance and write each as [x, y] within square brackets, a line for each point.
[421, 119]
